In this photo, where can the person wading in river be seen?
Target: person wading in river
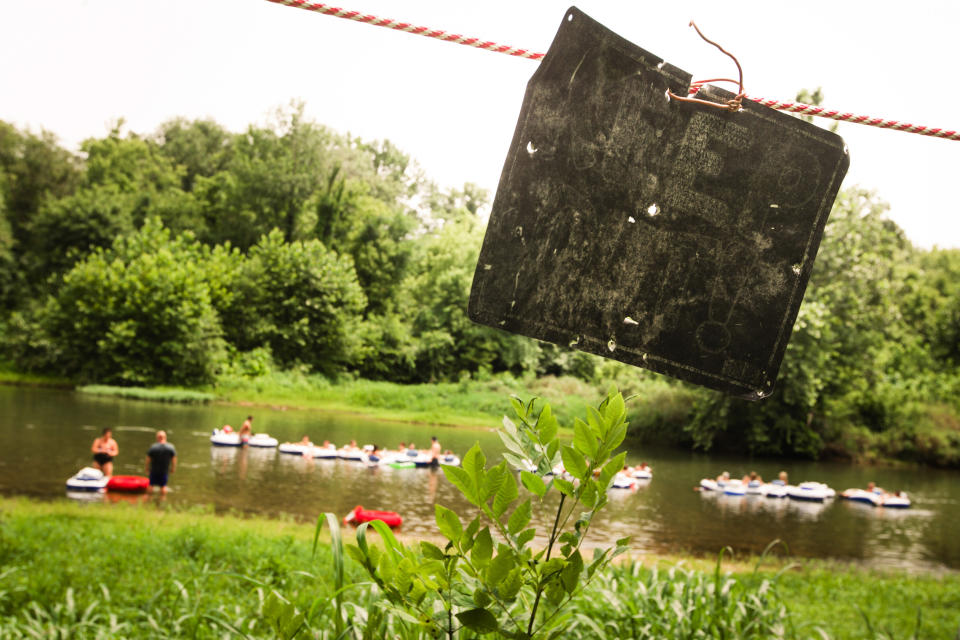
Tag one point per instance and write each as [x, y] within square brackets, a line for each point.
[104, 450]
[161, 461]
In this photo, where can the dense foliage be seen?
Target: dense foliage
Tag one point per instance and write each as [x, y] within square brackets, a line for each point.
[195, 253]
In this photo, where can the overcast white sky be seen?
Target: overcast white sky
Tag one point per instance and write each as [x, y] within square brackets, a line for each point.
[73, 66]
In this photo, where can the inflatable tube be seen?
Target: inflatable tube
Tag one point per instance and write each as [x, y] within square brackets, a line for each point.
[294, 449]
[894, 501]
[452, 460]
[734, 488]
[262, 440]
[128, 484]
[642, 474]
[888, 500]
[710, 485]
[224, 438]
[360, 515]
[87, 479]
[811, 492]
[623, 481]
[354, 455]
[774, 490]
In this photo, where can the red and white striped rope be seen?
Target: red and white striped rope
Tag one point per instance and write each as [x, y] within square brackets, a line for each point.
[326, 9]
[810, 110]
[793, 107]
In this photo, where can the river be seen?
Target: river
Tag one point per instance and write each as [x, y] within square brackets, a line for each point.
[46, 437]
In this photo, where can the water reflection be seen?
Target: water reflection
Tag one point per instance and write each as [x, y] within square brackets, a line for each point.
[47, 436]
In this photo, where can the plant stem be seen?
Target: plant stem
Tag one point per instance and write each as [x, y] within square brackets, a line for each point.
[553, 538]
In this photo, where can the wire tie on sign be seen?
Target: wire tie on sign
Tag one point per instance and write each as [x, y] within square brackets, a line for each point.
[734, 104]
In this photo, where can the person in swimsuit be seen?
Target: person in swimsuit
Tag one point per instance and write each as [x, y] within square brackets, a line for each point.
[104, 450]
[246, 429]
[434, 451]
[161, 462]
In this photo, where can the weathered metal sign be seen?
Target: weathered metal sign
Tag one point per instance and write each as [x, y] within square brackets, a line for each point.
[667, 235]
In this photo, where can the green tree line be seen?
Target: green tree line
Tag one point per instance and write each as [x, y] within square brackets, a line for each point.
[194, 252]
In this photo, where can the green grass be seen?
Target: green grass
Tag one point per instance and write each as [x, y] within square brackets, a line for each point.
[471, 403]
[859, 603]
[160, 394]
[145, 570]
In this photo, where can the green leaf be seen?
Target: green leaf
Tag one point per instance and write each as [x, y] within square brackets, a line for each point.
[473, 463]
[554, 592]
[547, 425]
[588, 493]
[623, 545]
[526, 536]
[512, 444]
[597, 423]
[482, 550]
[518, 407]
[282, 616]
[480, 597]
[515, 462]
[583, 439]
[386, 568]
[610, 469]
[431, 551]
[551, 566]
[354, 552]
[389, 540]
[533, 483]
[479, 620]
[462, 481]
[571, 573]
[448, 523]
[574, 462]
[500, 566]
[615, 438]
[565, 487]
[466, 540]
[520, 517]
[505, 495]
[615, 409]
[493, 481]
[510, 586]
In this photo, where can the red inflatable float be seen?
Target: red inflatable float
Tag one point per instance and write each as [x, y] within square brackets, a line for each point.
[359, 515]
[129, 484]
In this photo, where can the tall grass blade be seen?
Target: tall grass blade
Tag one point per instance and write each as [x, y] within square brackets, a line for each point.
[866, 620]
[336, 548]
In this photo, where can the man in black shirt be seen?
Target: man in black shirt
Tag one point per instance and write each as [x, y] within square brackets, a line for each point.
[161, 461]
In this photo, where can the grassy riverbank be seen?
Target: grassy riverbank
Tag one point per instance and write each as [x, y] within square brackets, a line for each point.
[121, 570]
[657, 411]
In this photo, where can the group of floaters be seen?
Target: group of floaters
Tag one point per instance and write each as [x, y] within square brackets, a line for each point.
[406, 456]
[809, 491]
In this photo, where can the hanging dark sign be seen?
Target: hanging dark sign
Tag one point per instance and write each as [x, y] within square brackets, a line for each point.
[667, 235]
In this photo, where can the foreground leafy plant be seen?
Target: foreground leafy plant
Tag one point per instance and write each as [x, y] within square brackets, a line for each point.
[489, 578]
